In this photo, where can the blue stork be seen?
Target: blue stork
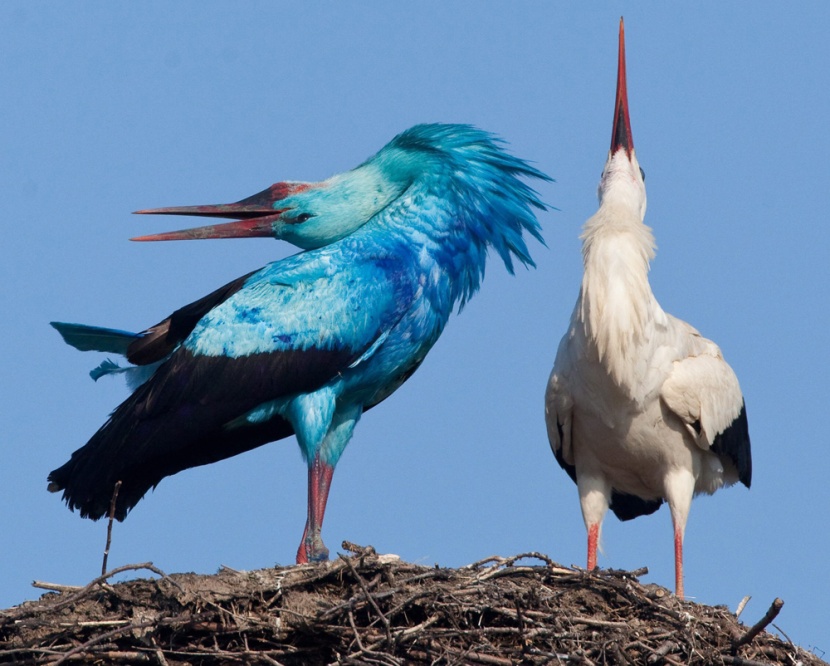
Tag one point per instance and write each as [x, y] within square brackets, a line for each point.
[306, 344]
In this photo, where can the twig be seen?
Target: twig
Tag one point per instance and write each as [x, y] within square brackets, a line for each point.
[55, 587]
[356, 632]
[622, 573]
[159, 655]
[369, 598]
[591, 622]
[111, 656]
[737, 661]
[783, 633]
[109, 526]
[580, 658]
[100, 638]
[358, 550]
[742, 605]
[109, 574]
[498, 562]
[334, 610]
[680, 617]
[411, 631]
[95, 623]
[364, 650]
[487, 560]
[619, 655]
[533, 555]
[270, 660]
[498, 572]
[759, 626]
[226, 654]
[558, 656]
[660, 653]
[520, 621]
[481, 657]
[440, 574]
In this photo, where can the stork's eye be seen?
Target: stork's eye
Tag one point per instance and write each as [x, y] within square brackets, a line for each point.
[302, 217]
[643, 174]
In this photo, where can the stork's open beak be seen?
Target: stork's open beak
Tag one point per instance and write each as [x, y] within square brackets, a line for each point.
[260, 227]
[255, 216]
[621, 136]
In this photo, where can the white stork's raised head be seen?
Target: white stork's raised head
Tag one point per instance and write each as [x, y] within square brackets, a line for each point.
[623, 181]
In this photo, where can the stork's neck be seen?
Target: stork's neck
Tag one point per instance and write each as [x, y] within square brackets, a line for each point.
[617, 307]
[435, 232]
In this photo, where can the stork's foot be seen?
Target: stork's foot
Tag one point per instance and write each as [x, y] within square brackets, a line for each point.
[312, 550]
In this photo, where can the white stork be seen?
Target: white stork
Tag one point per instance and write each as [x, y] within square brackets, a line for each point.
[640, 408]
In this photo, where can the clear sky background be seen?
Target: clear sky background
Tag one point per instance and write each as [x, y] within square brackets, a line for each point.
[112, 107]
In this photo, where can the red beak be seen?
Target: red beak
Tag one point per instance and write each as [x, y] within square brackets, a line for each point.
[621, 136]
[255, 216]
[257, 228]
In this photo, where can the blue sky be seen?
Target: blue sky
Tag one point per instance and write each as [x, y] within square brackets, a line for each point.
[112, 107]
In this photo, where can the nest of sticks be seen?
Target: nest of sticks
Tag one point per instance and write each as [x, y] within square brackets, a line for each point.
[371, 609]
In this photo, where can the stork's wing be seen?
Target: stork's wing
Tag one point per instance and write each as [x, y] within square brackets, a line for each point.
[284, 332]
[158, 341]
[558, 412]
[150, 347]
[704, 392]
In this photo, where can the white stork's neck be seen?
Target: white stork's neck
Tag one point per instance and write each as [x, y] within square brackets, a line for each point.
[616, 306]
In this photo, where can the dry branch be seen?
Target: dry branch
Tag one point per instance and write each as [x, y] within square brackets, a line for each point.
[109, 526]
[759, 626]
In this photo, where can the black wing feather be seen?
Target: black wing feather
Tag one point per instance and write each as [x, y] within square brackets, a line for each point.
[733, 445]
[557, 453]
[178, 419]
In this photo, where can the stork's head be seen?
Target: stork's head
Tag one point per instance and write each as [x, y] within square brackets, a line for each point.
[623, 181]
[479, 183]
[308, 215]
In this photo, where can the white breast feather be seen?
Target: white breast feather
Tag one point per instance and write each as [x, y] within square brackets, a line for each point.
[620, 315]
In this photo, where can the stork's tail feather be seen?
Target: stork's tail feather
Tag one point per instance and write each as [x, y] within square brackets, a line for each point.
[107, 367]
[95, 338]
[628, 507]
[92, 499]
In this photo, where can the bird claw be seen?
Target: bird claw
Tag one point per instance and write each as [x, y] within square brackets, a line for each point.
[312, 550]
[321, 555]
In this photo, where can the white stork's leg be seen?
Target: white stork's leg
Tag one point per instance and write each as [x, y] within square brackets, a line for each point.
[594, 499]
[678, 562]
[680, 486]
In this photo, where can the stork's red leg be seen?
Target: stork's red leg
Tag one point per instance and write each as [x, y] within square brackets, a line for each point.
[678, 563]
[312, 548]
[593, 539]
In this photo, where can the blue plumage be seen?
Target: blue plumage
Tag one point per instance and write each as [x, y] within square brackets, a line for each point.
[308, 343]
